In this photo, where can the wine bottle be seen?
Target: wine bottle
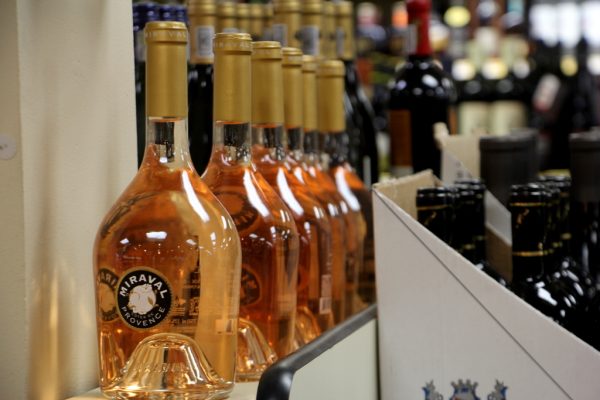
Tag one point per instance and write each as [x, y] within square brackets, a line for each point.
[306, 167]
[328, 31]
[167, 256]
[310, 31]
[331, 125]
[469, 224]
[567, 266]
[434, 211]
[288, 19]
[266, 227]
[420, 96]
[507, 160]
[142, 14]
[585, 201]
[532, 279]
[363, 146]
[202, 15]
[270, 154]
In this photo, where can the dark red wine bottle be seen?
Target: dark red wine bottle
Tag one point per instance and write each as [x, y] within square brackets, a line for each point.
[200, 81]
[421, 96]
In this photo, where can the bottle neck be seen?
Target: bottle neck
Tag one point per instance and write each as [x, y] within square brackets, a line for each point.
[479, 228]
[167, 143]
[231, 142]
[336, 146]
[273, 138]
[420, 25]
[296, 141]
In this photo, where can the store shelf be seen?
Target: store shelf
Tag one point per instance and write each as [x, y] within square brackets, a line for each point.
[241, 391]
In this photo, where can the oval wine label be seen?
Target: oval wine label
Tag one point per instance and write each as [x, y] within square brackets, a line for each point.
[143, 298]
[250, 288]
[106, 283]
[242, 212]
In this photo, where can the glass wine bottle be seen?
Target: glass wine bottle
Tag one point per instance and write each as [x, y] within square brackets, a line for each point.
[202, 14]
[420, 96]
[270, 139]
[308, 170]
[363, 148]
[266, 227]
[531, 278]
[167, 256]
[332, 125]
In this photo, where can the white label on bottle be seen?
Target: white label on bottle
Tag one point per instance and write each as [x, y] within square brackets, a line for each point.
[542, 18]
[545, 92]
[325, 299]
[340, 37]
[279, 34]
[8, 147]
[506, 115]
[309, 36]
[204, 37]
[139, 46]
[569, 24]
[472, 118]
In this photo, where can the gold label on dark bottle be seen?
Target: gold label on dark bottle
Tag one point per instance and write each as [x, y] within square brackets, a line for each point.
[144, 298]
[106, 283]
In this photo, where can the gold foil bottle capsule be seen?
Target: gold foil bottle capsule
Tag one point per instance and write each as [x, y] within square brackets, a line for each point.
[226, 17]
[288, 20]
[166, 81]
[328, 36]
[309, 93]
[312, 14]
[256, 21]
[292, 87]
[267, 98]
[344, 31]
[231, 100]
[330, 93]
[243, 17]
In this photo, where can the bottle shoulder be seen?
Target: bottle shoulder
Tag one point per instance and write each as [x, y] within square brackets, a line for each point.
[174, 203]
[422, 78]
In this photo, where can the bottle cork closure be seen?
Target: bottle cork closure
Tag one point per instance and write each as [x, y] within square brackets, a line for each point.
[330, 97]
[232, 77]
[166, 69]
[267, 83]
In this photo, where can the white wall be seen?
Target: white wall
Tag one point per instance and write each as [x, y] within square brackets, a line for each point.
[67, 99]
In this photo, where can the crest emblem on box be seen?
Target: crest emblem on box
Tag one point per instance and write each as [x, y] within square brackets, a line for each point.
[464, 390]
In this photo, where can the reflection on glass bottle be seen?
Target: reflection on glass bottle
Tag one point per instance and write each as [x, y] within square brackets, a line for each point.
[331, 125]
[307, 169]
[167, 256]
[270, 154]
[266, 227]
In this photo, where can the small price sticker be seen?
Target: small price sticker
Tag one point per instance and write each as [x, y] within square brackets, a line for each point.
[8, 147]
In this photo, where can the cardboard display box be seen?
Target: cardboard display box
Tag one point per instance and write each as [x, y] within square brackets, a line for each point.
[441, 319]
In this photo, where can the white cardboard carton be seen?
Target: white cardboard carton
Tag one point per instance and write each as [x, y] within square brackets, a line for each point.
[441, 319]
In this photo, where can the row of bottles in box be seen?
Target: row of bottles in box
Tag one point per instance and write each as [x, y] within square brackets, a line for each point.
[201, 281]
[319, 28]
[555, 224]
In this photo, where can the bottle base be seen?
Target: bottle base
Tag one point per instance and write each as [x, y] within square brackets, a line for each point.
[168, 366]
[254, 354]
